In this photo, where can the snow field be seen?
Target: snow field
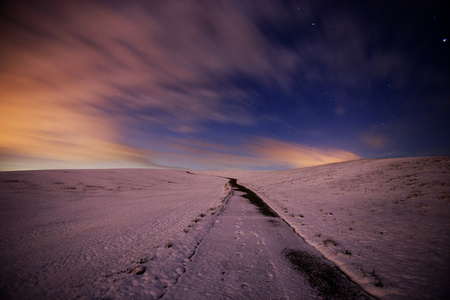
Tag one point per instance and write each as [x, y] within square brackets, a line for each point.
[385, 222]
[101, 233]
[130, 233]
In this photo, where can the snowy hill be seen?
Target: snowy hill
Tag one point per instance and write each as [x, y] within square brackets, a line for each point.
[129, 233]
[385, 222]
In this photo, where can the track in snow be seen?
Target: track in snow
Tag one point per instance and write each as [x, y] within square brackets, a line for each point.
[251, 253]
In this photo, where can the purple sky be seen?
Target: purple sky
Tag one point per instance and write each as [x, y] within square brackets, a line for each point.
[221, 84]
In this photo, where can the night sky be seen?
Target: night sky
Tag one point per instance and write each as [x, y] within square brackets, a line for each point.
[253, 85]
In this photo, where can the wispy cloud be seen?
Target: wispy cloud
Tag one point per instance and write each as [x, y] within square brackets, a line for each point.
[374, 140]
[294, 155]
[41, 127]
[79, 79]
[255, 154]
[77, 76]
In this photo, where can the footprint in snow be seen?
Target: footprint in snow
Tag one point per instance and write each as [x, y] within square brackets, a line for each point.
[269, 278]
[246, 287]
[139, 270]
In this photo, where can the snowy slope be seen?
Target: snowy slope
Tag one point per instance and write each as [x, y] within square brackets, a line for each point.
[250, 253]
[384, 222]
[129, 233]
[75, 233]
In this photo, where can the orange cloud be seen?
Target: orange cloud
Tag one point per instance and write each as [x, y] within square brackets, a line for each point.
[71, 90]
[39, 123]
[67, 88]
[131, 52]
[258, 153]
[296, 156]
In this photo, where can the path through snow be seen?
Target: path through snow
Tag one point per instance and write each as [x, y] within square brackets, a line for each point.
[251, 253]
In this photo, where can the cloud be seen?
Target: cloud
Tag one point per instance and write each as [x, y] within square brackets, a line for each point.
[77, 78]
[173, 60]
[41, 128]
[171, 57]
[255, 154]
[374, 139]
[196, 154]
[295, 155]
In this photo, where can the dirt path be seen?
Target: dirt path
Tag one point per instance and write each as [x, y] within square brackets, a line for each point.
[251, 253]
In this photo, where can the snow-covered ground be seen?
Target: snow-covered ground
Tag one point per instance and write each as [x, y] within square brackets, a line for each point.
[250, 253]
[385, 222]
[81, 233]
[129, 233]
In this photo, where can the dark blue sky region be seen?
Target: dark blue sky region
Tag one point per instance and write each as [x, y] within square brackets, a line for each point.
[221, 84]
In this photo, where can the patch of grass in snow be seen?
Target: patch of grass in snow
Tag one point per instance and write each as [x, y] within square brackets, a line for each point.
[328, 242]
[414, 194]
[11, 181]
[329, 282]
[197, 219]
[376, 279]
[444, 196]
[347, 252]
